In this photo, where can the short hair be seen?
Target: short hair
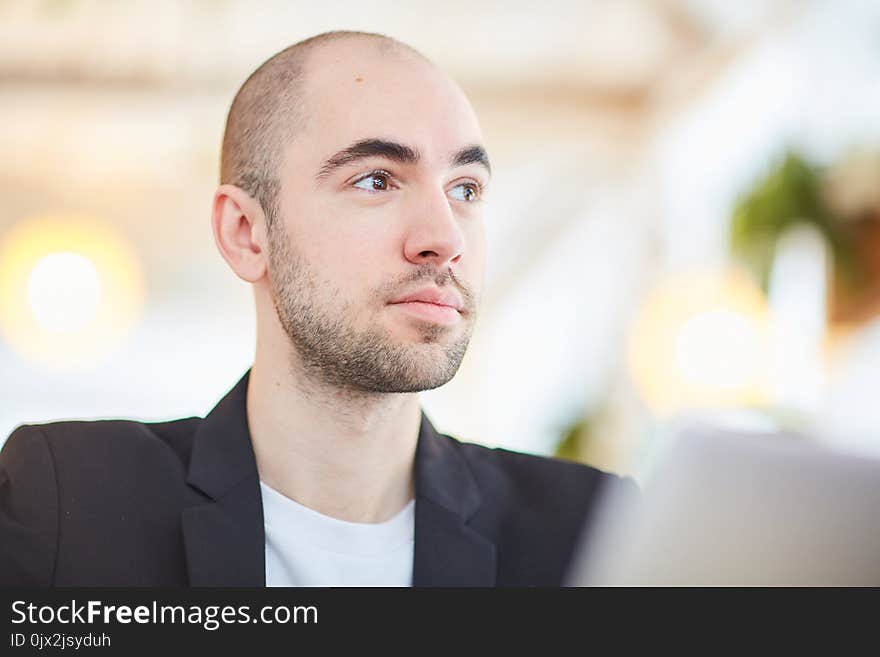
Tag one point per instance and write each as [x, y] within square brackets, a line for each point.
[266, 113]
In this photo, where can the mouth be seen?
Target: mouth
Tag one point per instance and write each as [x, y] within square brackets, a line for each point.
[431, 312]
[432, 304]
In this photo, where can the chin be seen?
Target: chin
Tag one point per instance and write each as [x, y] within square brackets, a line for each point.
[428, 333]
[427, 382]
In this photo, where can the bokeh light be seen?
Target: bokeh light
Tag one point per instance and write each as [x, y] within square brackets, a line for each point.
[64, 290]
[701, 341]
[71, 288]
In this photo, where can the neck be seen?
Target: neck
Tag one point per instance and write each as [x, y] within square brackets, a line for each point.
[345, 454]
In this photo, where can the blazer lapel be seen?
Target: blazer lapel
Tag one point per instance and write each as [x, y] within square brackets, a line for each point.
[224, 538]
[447, 551]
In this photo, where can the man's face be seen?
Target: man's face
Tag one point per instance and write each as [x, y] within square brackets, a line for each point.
[380, 201]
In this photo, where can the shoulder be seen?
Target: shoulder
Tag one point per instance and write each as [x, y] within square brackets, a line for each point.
[85, 460]
[520, 474]
[81, 440]
[534, 509]
[523, 488]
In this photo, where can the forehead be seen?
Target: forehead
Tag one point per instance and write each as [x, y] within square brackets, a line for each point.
[356, 90]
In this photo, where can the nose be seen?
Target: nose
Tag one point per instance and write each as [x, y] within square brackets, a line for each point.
[434, 235]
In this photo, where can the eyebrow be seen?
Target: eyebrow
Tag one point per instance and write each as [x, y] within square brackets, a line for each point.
[397, 152]
[472, 155]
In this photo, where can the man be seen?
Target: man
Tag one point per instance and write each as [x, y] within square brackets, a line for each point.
[352, 185]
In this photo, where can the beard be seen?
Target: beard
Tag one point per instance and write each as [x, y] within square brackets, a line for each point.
[336, 353]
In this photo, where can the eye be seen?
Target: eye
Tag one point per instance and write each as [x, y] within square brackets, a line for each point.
[375, 181]
[467, 192]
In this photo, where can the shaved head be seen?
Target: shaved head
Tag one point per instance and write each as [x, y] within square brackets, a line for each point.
[269, 109]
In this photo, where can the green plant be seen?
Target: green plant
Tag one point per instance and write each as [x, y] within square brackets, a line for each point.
[792, 192]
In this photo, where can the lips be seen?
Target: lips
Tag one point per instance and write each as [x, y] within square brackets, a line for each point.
[436, 296]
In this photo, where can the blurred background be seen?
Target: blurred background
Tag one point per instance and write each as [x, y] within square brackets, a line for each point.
[684, 224]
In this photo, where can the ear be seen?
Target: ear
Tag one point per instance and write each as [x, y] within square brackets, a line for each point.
[239, 228]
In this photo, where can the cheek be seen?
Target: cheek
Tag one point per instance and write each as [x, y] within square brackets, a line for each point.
[474, 264]
[347, 257]
[339, 225]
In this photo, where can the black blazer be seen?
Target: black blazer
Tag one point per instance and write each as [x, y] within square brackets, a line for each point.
[123, 503]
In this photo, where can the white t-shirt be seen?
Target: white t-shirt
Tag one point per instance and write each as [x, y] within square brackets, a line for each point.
[307, 548]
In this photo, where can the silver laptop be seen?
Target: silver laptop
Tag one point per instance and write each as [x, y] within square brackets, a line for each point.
[725, 509]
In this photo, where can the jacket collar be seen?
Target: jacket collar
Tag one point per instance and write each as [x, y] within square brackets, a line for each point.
[447, 551]
[224, 537]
